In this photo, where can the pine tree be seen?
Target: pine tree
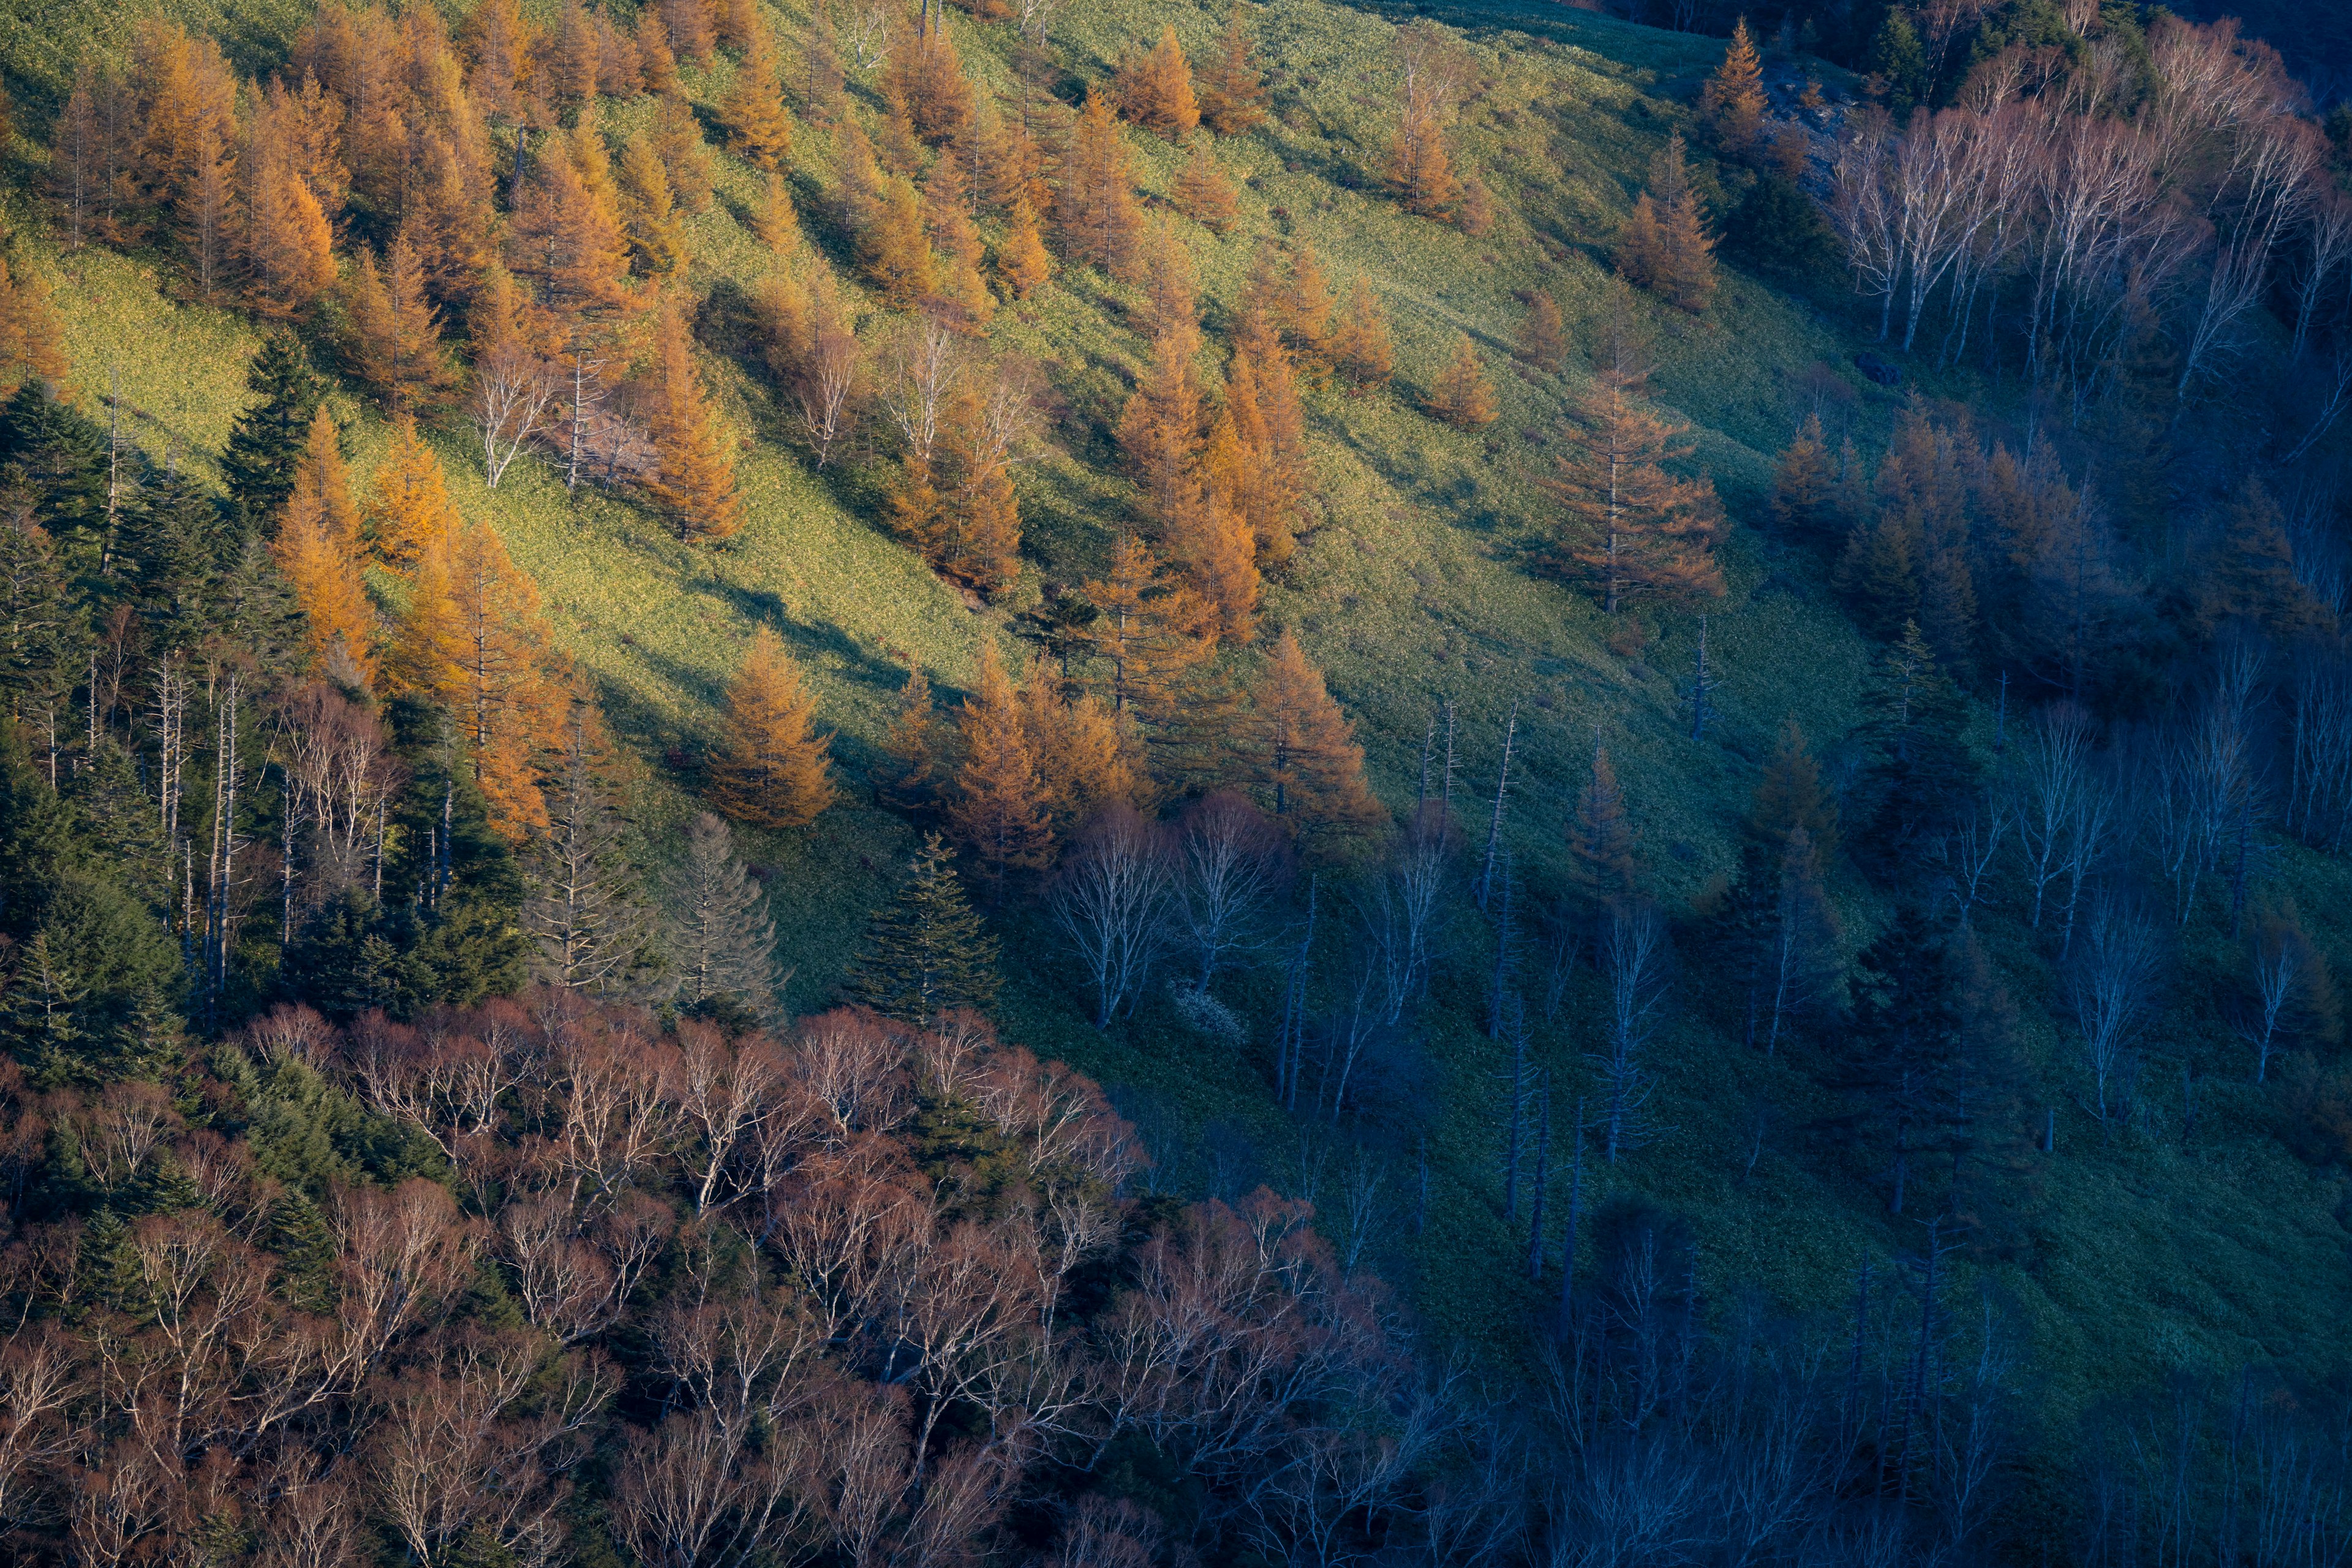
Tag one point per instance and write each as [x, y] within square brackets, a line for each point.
[999, 806]
[686, 157]
[693, 479]
[1262, 399]
[43, 1014]
[32, 341]
[1155, 87]
[1233, 95]
[589, 925]
[926, 953]
[648, 211]
[895, 250]
[316, 546]
[1543, 338]
[775, 222]
[1304, 751]
[1462, 395]
[722, 945]
[1732, 102]
[1094, 200]
[1801, 484]
[913, 743]
[1790, 798]
[267, 440]
[1084, 761]
[1360, 349]
[509, 676]
[1020, 256]
[1203, 192]
[1147, 631]
[772, 766]
[1159, 428]
[409, 514]
[758, 128]
[1628, 529]
[1213, 538]
[1161, 269]
[1920, 768]
[396, 331]
[1601, 840]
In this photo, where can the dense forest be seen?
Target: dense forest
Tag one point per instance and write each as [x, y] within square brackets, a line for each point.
[1113, 786]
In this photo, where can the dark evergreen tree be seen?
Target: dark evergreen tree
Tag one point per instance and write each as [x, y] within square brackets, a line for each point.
[266, 441]
[1898, 1064]
[1920, 768]
[721, 940]
[927, 951]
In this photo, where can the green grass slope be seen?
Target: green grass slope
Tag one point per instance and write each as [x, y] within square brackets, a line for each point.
[1415, 586]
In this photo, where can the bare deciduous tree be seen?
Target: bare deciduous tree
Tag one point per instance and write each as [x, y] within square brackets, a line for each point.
[1112, 898]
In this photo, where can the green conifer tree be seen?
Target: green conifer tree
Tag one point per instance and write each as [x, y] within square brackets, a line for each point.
[927, 951]
[266, 443]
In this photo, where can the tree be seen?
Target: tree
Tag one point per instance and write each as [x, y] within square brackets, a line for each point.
[1801, 483]
[1462, 395]
[1159, 428]
[1155, 87]
[1360, 349]
[895, 250]
[1664, 246]
[649, 213]
[1732, 102]
[1920, 767]
[722, 944]
[775, 222]
[1543, 339]
[265, 443]
[1898, 1062]
[589, 926]
[408, 512]
[1303, 753]
[395, 330]
[1112, 898]
[693, 478]
[1084, 758]
[1020, 256]
[32, 341]
[2253, 577]
[758, 128]
[1270, 423]
[1601, 840]
[1203, 192]
[1213, 537]
[1432, 67]
[913, 743]
[772, 766]
[926, 953]
[317, 557]
[1627, 528]
[686, 157]
[288, 237]
[1791, 796]
[1094, 200]
[999, 804]
[1233, 95]
[1147, 631]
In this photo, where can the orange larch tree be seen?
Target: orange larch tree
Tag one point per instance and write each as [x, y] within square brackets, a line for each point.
[1233, 94]
[771, 768]
[1155, 87]
[1303, 750]
[758, 128]
[1000, 802]
[1627, 528]
[1094, 198]
[693, 478]
[409, 513]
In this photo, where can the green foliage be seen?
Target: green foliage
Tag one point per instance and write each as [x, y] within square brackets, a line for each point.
[1899, 60]
[259, 462]
[927, 951]
[313, 1135]
[1779, 229]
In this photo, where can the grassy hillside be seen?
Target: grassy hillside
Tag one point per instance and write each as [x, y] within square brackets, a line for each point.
[2140, 1256]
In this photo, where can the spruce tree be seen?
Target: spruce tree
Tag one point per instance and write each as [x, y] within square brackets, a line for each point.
[1791, 796]
[583, 910]
[266, 441]
[926, 953]
[1920, 768]
[722, 944]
